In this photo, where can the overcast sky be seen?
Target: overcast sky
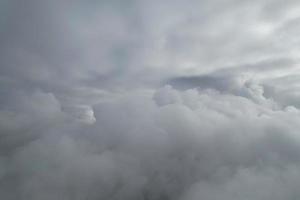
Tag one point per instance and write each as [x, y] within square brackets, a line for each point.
[149, 100]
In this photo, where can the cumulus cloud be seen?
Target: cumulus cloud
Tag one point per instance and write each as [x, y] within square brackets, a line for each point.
[149, 100]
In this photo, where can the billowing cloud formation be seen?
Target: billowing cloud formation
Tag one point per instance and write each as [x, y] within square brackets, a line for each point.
[150, 100]
[174, 145]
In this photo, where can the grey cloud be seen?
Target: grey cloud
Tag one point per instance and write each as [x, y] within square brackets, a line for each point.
[139, 148]
[149, 100]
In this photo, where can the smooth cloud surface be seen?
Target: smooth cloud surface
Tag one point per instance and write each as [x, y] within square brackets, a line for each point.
[150, 100]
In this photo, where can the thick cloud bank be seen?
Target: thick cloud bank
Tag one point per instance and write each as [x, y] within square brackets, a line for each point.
[175, 145]
[149, 100]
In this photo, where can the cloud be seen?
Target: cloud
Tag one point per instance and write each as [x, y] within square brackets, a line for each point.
[149, 100]
[250, 184]
[200, 144]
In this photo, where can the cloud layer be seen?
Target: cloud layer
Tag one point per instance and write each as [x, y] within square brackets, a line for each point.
[150, 100]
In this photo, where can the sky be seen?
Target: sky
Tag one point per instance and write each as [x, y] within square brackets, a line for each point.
[149, 100]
